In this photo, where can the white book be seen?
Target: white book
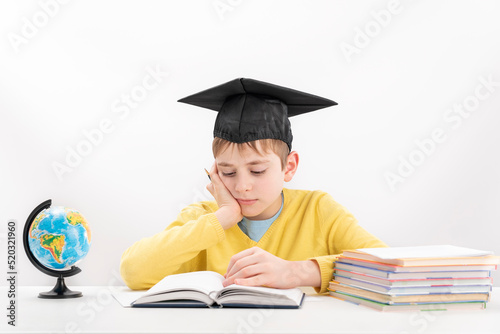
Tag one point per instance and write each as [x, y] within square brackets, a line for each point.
[205, 289]
[423, 255]
[434, 251]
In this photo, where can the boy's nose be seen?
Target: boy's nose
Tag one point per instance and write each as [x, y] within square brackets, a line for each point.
[243, 184]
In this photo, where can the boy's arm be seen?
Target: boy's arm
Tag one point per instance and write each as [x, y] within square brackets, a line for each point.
[150, 259]
[342, 232]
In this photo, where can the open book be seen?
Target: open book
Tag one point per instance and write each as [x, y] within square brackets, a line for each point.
[205, 289]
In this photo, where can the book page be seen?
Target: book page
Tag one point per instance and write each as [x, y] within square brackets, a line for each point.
[203, 281]
[437, 251]
[252, 292]
[124, 295]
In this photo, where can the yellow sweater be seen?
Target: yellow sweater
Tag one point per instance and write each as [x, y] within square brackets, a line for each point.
[311, 226]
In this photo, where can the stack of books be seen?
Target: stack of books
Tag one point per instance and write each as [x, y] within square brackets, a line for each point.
[415, 278]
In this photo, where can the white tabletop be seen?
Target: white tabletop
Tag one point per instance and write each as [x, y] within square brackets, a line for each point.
[98, 312]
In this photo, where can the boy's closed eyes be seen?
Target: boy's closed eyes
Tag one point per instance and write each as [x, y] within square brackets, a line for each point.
[255, 172]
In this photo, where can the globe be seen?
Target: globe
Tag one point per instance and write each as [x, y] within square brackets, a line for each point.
[55, 240]
[59, 237]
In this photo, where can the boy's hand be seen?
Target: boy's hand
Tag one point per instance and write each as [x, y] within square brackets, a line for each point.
[229, 212]
[256, 267]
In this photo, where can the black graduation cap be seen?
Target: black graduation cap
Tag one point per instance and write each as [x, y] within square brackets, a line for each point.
[250, 109]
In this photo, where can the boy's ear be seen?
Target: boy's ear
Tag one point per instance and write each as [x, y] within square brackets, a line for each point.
[291, 165]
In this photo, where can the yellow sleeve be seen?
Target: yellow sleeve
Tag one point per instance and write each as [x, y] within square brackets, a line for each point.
[150, 259]
[342, 232]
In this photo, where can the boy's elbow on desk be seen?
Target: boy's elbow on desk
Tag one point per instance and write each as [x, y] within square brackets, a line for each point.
[131, 274]
[128, 277]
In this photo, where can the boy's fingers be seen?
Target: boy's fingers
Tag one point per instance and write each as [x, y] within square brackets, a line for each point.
[237, 257]
[215, 181]
[210, 188]
[214, 176]
[250, 281]
[244, 262]
[250, 271]
[214, 171]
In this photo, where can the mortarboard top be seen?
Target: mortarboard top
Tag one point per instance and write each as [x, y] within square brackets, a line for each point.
[250, 109]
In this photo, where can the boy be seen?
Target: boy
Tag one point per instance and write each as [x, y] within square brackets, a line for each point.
[255, 232]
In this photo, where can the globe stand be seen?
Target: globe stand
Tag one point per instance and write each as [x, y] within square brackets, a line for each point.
[60, 290]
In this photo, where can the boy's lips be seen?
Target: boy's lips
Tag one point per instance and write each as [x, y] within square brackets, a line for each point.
[246, 201]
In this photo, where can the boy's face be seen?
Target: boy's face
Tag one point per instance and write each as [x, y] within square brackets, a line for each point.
[255, 180]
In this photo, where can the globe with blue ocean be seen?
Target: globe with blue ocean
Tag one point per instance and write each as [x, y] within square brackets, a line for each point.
[59, 237]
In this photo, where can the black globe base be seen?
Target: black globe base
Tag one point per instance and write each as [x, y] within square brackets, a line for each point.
[60, 291]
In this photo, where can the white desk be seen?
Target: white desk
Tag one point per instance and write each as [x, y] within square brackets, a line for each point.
[98, 312]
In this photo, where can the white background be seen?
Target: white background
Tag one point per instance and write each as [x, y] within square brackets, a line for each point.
[410, 67]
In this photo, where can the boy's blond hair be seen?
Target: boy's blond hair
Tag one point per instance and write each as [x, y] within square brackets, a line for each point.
[280, 148]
